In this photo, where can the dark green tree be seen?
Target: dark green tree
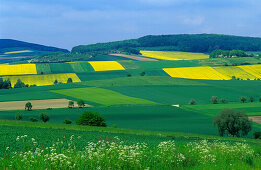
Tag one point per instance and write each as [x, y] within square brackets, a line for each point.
[28, 106]
[80, 103]
[91, 119]
[223, 100]
[19, 84]
[33, 119]
[71, 104]
[44, 117]
[55, 81]
[232, 122]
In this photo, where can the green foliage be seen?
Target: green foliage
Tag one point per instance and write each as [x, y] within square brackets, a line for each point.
[232, 122]
[5, 84]
[19, 84]
[243, 99]
[55, 81]
[228, 54]
[192, 102]
[251, 99]
[18, 116]
[28, 106]
[90, 118]
[223, 100]
[67, 121]
[143, 73]
[182, 42]
[71, 104]
[32, 119]
[44, 117]
[69, 80]
[80, 103]
[257, 135]
[214, 99]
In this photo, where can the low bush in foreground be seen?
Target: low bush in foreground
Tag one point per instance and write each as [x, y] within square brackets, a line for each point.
[115, 154]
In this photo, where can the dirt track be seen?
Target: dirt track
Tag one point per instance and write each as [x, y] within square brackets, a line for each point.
[256, 119]
[37, 104]
[134, 57]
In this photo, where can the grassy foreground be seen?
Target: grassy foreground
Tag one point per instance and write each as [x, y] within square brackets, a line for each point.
[53, 146]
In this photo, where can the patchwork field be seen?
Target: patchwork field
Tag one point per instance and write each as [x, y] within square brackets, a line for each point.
[251, 72]
[19, 69]
[43, 80]
[102, 96]
[170, 55]
[106, 65]
[37, 104]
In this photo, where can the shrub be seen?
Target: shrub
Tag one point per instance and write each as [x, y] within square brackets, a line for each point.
[243, 99]
[33, 119]
[223, 100]
[114, 126]
[232, 122]
[18, 116]
[192, 102]
[55, 81]
[142, 73]
[44, 117]
[67, 121]
[128, 75]
[91, 119]
[257, 135]
[214, 99]
[251, 99]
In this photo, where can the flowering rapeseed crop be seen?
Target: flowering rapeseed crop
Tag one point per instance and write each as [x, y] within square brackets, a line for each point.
[173, 55]
[106, 65]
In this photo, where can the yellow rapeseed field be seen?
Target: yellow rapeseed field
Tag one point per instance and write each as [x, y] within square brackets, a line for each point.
[235, 71]
[173, 55]
[196, 73]
[255, 70]
[15, 52]
[43, 80]
[18, 69]
[106, 65]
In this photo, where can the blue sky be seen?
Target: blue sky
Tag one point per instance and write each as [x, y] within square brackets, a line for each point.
[67, 23]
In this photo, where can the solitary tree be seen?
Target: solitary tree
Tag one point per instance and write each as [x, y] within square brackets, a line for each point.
[192, 102]
[69, 80]
[243, 99]
[142, 73]
[91, 119]
[71, 104]
[44, 117]
[214, 99]
[232, 122]
[28, 106]
[80, 103]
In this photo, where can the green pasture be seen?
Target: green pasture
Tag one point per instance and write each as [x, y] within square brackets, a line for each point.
[102, 96]
[251, 109]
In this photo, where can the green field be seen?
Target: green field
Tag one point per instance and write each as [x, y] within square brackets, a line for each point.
[102, 96]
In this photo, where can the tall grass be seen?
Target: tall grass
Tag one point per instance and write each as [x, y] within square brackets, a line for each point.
[115, 154]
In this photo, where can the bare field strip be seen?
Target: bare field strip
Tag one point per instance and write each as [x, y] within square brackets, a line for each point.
[37, 104]
[134, 57]
[256, 119]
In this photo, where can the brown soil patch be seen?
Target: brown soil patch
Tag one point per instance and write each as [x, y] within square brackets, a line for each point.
[37, 104]
[256, 119]
[134, 57]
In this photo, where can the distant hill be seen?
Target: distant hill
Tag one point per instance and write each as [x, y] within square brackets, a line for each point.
[7, 44]
[204, 43]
